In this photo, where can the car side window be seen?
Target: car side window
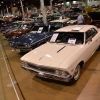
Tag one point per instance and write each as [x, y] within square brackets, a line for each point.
[90, 34]
[94, 32]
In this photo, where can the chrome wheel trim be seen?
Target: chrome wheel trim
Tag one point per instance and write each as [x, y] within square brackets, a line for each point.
[77, 73]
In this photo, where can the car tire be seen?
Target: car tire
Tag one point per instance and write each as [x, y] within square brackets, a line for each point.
[76, 74]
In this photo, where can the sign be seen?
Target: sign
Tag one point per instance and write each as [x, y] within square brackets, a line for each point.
[60, 18]
[54, 37]
[71, 40]
[40, 29]
[77, 28]
[24, 27]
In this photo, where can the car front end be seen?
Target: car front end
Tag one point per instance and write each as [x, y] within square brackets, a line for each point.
[47, 61]
[47, 72]
[21, 47]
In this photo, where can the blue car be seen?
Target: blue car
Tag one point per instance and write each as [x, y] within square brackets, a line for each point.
[9, 26]
[38, 36]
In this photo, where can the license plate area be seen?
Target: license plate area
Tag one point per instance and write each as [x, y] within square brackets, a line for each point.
[49, 76]
[18, 50]
[40, 74]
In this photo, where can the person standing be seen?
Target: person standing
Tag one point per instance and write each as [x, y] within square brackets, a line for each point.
[80, 19]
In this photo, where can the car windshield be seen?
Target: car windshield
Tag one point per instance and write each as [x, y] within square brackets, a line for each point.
[68, 37]
[36, 19]
[40, 29]
[56, 24]
[25, 26]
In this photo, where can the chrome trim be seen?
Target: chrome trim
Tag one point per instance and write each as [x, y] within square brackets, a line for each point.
[48, 75]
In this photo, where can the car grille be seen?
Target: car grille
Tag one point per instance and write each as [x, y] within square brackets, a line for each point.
[41, 68]
[20, 46]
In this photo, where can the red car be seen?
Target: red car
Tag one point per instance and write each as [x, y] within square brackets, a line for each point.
[24, 28]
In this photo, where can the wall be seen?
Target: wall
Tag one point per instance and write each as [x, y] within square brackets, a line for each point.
[94, 3]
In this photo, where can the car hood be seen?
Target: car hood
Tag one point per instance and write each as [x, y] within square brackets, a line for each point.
[29, 38]
[19, 31]
[12, 30]
[50, 54]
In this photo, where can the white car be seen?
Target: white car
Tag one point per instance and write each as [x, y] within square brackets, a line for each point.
[61, 20]
[67, 20]
[59, 23]
[62, 58]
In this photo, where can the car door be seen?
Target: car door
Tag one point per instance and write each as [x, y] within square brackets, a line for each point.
[91, 43]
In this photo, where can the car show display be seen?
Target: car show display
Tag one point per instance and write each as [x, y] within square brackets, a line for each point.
[49, 49]
[36, 37]
[23, 28]
[60, 46]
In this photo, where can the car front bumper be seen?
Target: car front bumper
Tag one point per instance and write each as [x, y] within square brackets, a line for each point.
[48, 75]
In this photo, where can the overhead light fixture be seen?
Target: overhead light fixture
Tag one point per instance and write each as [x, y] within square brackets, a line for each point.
[74, 2]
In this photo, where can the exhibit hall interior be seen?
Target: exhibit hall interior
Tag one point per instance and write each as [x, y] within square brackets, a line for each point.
[50, 50]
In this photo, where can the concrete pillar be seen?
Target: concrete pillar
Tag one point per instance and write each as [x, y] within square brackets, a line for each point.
[43, 11]
[1, 12]
[64, 1]
[71, 2]
[86, 3]
[22, 9]
[51, 5]
[27, 9]
[7, 10]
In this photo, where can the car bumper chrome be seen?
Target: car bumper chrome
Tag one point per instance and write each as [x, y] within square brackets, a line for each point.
[48, 75]
[23, 50]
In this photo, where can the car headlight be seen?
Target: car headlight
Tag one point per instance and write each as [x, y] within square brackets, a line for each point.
[58, 72]
[24, 64]
[64, 73]
[27, 46]
[11, 44]
[61, 73]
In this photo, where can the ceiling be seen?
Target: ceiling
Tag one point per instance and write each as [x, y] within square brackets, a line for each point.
[29, 2]
[26, 3]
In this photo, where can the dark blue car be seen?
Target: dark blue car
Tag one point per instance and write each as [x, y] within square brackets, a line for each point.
[9, 26]
[38, 36]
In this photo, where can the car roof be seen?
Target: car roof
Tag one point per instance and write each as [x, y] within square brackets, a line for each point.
[74, 28]
[18, 22]
[61, 20]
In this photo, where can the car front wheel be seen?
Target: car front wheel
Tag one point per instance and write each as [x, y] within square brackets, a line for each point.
[76, 74]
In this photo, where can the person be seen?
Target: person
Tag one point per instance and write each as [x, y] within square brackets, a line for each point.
[80, 19]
